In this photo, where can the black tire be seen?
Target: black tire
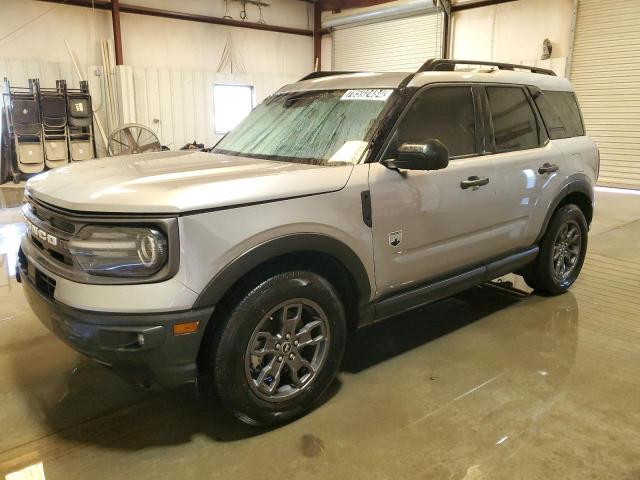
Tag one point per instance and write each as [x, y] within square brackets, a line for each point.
[541, 274]
[232, 365]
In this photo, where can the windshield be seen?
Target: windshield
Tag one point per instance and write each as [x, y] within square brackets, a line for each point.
[331, 127]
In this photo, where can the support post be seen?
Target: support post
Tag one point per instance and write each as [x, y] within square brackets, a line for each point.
[446, 27]
[317, 35]
[117, 36]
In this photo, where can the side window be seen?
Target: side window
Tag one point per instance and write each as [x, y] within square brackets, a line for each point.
[514, 123]
[560, 114]
[443, 113]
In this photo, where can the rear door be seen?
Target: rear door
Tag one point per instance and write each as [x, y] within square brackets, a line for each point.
[425, 224]
[561, 115]
[526, 163]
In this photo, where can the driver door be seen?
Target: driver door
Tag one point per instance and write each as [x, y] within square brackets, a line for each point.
[428, 224]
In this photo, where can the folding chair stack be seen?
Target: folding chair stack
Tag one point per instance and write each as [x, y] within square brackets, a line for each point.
[80, 116]
[44, 128]
[22, 114]
[53, 107]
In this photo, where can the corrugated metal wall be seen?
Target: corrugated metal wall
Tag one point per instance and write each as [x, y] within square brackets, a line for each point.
[176, 104]
[20, 71]
[393, 45]
[605, 71]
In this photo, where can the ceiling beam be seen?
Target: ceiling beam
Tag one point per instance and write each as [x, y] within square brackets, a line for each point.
[191, 17]
[478, 4]
[344, 4]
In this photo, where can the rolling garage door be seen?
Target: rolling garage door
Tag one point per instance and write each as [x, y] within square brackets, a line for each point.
[605, 71]
[401, 44]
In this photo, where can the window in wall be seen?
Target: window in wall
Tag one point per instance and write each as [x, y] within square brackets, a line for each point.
[560, 113]
[443, 113]
[514, 122]
[231, 104]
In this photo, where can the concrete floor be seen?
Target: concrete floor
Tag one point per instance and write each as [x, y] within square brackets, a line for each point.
[482, 386]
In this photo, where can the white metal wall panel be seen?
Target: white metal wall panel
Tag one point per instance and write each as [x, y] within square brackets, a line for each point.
[176, 104]
[605, 71]
[401, 44]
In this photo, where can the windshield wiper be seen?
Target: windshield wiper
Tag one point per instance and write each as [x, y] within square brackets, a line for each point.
[293, 98]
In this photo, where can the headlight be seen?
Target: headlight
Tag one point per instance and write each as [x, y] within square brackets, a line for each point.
[119, 251]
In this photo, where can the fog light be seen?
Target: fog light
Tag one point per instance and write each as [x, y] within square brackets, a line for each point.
[141, 339]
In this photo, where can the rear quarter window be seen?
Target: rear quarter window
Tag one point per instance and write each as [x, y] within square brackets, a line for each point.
[560, 113]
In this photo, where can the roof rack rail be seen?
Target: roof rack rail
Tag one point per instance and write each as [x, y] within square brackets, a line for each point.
[443, 64]
[320, 74]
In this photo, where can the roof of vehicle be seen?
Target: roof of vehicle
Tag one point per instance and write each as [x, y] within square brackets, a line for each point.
[485, 72]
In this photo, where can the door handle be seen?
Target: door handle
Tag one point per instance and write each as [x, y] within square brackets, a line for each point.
[548, 168]
[474, 181]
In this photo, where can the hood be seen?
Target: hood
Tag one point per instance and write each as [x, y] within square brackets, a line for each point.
[176, 182]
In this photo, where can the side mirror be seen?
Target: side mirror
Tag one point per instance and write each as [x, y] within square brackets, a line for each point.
[432, 155]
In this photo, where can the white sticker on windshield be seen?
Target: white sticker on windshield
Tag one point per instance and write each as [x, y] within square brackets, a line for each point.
[350, 152]
[368, 94]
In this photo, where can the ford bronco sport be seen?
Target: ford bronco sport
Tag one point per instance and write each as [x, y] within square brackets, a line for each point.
[341, 200]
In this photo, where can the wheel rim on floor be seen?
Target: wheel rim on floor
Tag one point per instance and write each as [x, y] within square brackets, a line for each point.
[566, 250]
[287, 350]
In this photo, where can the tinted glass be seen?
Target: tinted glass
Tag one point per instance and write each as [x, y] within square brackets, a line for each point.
[560, 113]
[443, 113]
[514, 122]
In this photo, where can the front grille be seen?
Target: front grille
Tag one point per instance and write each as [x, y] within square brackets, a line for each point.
[45, 284]
[37, 242]
[22, 260]
[53, 232]
[58, 255]
[51, 218]
[63, 225]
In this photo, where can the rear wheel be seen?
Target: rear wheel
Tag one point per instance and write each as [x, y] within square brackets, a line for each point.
[279, 348]
[562, 252]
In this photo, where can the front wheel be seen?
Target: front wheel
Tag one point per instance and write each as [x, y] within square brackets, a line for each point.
[562, 252]
[279, 348]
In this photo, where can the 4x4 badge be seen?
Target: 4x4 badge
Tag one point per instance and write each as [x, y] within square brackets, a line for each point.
[395, 238]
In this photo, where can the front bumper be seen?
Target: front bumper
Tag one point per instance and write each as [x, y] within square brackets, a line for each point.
[139, 347]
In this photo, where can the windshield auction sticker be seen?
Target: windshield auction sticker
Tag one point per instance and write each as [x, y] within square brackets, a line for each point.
[368, 94]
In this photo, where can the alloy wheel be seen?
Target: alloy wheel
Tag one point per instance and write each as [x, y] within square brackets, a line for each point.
[287, 349]
[566, 250]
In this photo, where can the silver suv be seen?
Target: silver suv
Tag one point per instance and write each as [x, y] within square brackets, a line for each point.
[341, 200]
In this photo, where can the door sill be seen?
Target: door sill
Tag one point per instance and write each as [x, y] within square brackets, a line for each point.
[452, 284]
